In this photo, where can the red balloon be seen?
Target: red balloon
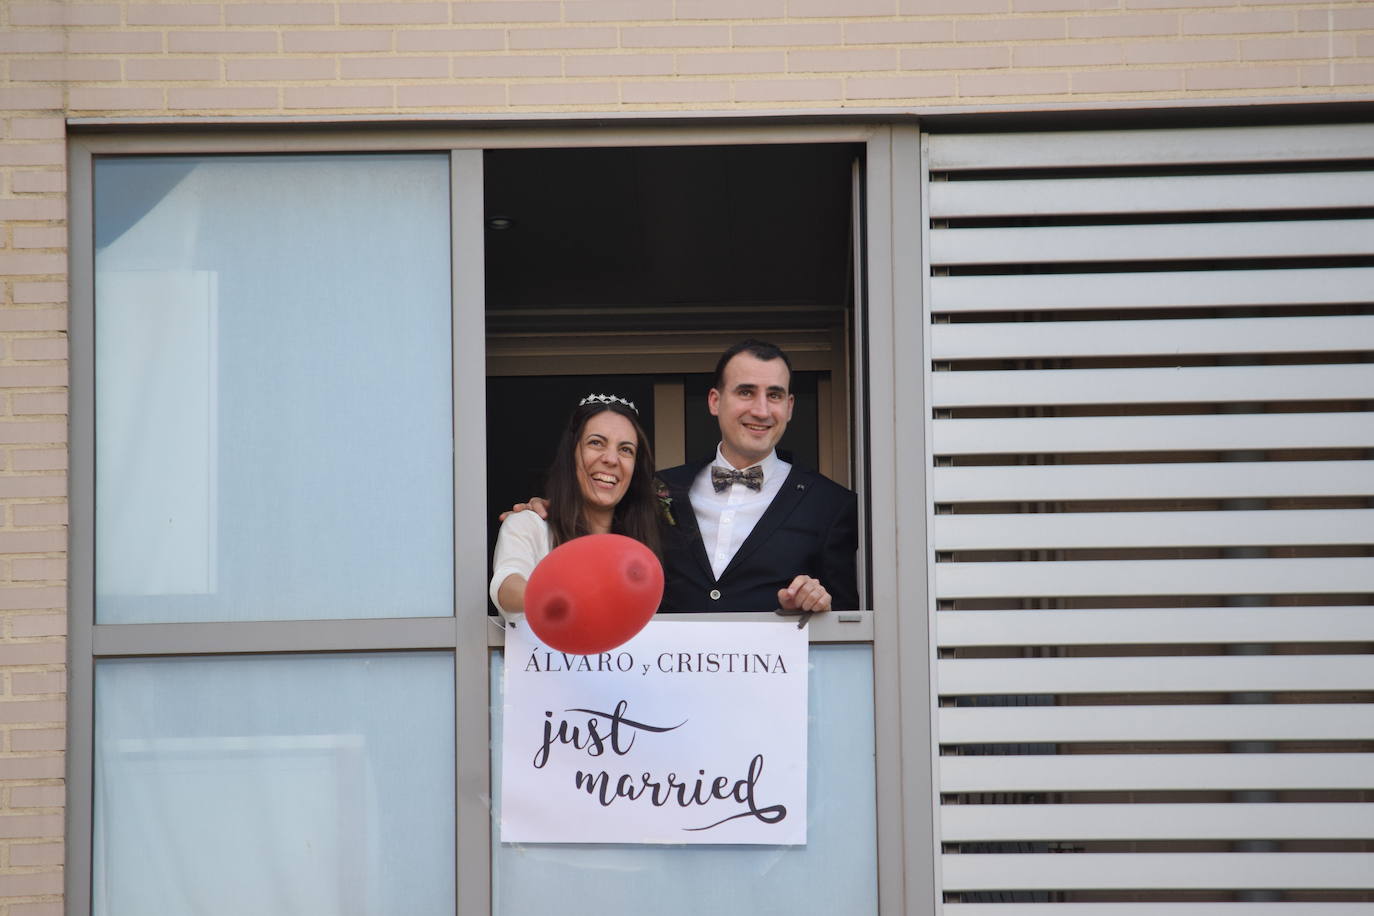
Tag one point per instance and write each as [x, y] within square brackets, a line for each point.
[593, 593]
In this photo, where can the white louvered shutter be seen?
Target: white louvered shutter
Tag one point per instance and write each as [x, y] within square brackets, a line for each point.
[1151, 521]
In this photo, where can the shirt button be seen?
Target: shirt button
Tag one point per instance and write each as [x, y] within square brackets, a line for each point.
[715, 594]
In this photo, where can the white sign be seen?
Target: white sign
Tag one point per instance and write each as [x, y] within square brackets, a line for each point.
[692, 732]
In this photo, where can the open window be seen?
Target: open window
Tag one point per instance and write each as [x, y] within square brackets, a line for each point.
[631, 269]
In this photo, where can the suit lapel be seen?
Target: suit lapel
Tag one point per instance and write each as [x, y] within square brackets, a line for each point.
[789, 497]
[679, 490]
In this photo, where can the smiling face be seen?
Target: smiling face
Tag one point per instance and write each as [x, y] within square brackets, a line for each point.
[605, 460]
[752, 406]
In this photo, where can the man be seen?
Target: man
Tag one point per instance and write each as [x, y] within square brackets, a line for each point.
[748, 531]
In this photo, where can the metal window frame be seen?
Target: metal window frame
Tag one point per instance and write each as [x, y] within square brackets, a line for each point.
[888, 407]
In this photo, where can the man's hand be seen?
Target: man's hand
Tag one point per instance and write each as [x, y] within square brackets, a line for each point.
[537, 504]
[804, 594]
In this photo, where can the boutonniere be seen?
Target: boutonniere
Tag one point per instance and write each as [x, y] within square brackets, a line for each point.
[665, 501]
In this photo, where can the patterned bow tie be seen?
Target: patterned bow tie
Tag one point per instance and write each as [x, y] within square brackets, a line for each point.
[722, 478]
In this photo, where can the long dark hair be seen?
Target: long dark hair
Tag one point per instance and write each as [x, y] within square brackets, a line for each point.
[636, 515]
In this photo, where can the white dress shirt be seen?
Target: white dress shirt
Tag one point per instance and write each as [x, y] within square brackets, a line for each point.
[726, 518]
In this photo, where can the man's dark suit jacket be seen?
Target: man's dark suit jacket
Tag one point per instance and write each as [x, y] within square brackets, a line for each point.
[811, 528]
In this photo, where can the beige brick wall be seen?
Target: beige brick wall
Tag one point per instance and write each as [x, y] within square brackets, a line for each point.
[314, 57]
[33, 461]
[421, 56]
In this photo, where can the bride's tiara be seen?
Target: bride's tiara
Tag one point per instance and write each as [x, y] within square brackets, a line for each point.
[607, 399]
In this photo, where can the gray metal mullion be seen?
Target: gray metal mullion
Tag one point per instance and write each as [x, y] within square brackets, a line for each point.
[875, 338]
[913, 640]
[222, 638]
[472, 710]
[80, 533]
[897, 458]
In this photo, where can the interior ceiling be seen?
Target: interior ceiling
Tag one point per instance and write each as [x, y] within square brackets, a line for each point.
[668, 236]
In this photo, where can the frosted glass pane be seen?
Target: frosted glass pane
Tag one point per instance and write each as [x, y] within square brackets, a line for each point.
[284, 785]
[835, 872]
[273, 388]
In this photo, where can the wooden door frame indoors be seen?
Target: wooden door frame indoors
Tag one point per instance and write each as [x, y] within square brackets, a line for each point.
[824, 349]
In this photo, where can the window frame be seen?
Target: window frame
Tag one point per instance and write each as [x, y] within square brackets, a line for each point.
[888, 410]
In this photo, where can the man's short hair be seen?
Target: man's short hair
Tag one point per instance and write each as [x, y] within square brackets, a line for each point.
[759, 349]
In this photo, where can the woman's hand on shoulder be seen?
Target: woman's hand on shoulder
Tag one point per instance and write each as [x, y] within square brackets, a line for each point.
[537, 504]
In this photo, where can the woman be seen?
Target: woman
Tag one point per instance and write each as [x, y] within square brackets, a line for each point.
[601, 481]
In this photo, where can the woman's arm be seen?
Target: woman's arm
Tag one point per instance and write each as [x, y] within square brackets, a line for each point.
[510, 594]
[521, 544]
